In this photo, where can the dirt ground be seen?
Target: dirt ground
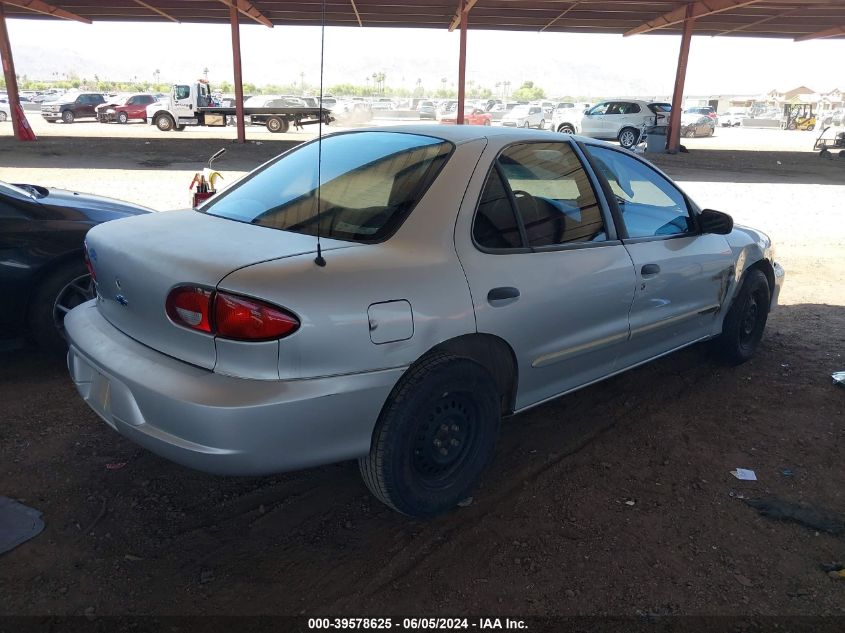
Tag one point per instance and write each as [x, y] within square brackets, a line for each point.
[615, 500]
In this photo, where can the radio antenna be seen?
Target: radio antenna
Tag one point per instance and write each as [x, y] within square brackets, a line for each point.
[320, 260]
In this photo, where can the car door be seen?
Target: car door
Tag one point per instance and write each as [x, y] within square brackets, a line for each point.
[88, 106]
[545, 269]
[682, 274]
[593, 121]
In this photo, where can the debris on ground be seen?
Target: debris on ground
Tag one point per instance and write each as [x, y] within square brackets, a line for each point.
[779, 509]
[18, 524]
[115, 466]
[834, 570]
[465, 503]
[838, 378]
[744, 474]
[787, 472]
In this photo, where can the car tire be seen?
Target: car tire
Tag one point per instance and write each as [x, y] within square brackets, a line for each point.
[628, 137]
[690, 133]
[64, 289]
[435, 436]
[745, 321]
[122, 117]
[542, 125]
[526, 125]
[566, 128]
[179, 128]
[67, 117]
[165, 122]
[487, 122]
[2, 117]
[277, 125]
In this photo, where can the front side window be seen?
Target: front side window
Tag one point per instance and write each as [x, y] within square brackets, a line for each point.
[554, 200]
[370, 182]
[599, 109]
[650, 205]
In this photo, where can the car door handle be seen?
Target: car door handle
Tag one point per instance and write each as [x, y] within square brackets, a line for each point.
[503, 295]
[650, 269]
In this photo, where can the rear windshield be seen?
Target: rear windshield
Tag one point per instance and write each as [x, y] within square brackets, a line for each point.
[370, 182]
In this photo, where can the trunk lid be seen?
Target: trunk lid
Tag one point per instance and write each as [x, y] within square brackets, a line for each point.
[139, 260]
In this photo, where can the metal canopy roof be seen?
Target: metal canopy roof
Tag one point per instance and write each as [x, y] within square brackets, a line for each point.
[798, 19]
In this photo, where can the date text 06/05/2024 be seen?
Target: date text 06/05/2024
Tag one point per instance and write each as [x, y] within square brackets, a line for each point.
[417, 624]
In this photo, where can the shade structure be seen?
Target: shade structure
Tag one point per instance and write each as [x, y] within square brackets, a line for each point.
[759, 18]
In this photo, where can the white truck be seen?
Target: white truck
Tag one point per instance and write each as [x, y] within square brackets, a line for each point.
[192, 104]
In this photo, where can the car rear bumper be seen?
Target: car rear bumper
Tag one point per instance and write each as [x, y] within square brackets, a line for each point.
[217, 423]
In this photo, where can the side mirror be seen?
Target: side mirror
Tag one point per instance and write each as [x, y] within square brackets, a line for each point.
[716, 222]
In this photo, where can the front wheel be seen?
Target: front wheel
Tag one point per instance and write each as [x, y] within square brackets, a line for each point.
[744, 323]
[2, 117]
[165, 122]
[67, 116]
[435, 436]
[122, 117]
[566, 129]
[628, 137]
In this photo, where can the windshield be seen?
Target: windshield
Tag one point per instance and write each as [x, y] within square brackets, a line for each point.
[370, 182]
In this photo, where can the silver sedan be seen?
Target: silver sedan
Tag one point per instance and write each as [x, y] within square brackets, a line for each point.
[394, 308]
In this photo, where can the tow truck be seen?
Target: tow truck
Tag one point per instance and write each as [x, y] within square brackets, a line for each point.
[192, 104]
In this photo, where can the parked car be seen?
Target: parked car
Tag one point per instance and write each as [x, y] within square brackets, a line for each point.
[622, 120]
[472, 116]
[696, 124]
[499, 110]
[125, 109]
[566, 118]
[72, 106]
[450, 276]
[709, 111]
[42, 270]
[525, 116]
[733, 117]
[427, 110]
[5, 111]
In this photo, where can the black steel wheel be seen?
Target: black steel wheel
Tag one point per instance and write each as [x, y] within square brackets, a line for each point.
[435, 436]
[745, 322]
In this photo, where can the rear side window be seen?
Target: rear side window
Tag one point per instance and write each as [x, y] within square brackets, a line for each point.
[554, 201]
[370, 182]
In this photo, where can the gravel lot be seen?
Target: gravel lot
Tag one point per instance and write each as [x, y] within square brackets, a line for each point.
[616, 500]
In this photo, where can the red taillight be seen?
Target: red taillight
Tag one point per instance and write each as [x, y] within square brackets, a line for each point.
[191, 307]
[228, 316]
[250, 320]
[88, 263]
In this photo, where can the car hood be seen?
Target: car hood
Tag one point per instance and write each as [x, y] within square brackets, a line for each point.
[87, 206]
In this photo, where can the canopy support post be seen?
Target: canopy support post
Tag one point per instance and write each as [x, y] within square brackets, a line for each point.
[674, 141]
[236, 62]
[462, 64]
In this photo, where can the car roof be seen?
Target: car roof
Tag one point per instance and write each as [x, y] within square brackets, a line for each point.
[459, 134]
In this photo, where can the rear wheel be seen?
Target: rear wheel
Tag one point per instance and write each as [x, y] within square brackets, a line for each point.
[165, 122]
[2, 117]
[277, 125]
[122, 117]
[566, 128]
[67, 116]
[743, 327]
[628, 137]
[57, 295]
[542, 125]
[435, 436]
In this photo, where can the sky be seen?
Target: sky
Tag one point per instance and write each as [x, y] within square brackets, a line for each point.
[561, 63]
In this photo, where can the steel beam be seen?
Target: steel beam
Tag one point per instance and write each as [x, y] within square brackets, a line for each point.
[156, 10]
[247, 8]
[357, 15]
[699, 9]
[831, 32]
[674, 140]
[563, 13]
[38, 6]
[234, 19]
[462, 63]
[465, 7]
